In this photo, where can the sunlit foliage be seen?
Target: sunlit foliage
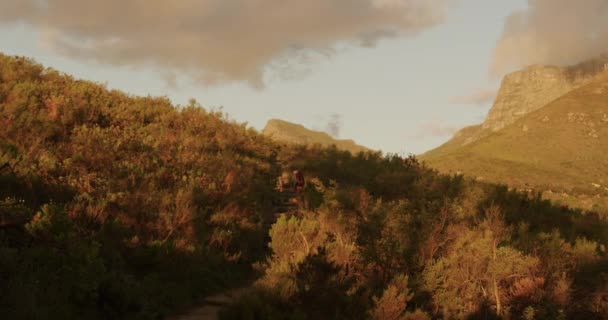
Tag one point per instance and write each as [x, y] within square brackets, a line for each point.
[120, 207]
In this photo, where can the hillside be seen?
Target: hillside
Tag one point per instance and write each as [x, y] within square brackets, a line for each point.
[121, 207]
[560, 147]
[287, 132]
[522, 92]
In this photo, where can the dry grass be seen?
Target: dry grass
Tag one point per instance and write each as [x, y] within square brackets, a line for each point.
[561, 147]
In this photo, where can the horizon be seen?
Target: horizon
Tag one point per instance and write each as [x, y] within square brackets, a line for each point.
[397, 76]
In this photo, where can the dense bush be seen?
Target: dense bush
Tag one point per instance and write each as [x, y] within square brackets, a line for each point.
[440, 247]
[134, 207]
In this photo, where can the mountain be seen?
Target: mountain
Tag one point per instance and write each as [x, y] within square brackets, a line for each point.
[292, 133]
[522, 92]
[560, 146]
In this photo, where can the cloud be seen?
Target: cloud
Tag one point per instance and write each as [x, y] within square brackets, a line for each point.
[480, 97]
[334, 125]
[435, 129]
[560, 32]
[216, 41]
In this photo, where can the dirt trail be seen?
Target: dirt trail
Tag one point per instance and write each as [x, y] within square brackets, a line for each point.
[211, 306]
[209, 309]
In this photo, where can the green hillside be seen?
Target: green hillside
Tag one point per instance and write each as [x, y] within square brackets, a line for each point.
[560, 147]
[287, 132]
[463, 137]
[522, 92]
[121, 207]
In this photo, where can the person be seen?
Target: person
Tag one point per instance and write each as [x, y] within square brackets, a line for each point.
[298, 184]
[280, 183]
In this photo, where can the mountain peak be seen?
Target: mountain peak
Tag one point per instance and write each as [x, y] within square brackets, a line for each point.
[293, 133]
[533, 87]
[523, 92]
[558, 147]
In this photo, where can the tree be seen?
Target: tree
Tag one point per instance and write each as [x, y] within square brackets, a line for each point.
[477, 268]
[393, 302]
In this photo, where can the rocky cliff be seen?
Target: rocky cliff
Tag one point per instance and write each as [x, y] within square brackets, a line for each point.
[525, 91]
[534, 87]
[559, 149]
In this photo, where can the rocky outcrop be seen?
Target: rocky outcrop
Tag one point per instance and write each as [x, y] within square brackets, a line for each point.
[532, 88]
[292, 133]
[523, 92]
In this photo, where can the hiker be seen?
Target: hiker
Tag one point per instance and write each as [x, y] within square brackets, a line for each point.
[283, 181]
[280, 184]
[298, 183]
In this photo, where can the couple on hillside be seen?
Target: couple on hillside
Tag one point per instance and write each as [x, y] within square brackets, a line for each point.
[297, 181]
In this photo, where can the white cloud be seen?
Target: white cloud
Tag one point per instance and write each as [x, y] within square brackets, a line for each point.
[480, 97]
[435, 129]
[561, 32]
[216, 41]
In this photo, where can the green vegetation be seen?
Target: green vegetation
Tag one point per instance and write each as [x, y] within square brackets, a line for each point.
[392, 239]
[560, 147]
[120, 207]
[134, 207]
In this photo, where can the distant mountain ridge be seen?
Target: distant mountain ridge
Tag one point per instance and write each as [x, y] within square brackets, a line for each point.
[292, 133]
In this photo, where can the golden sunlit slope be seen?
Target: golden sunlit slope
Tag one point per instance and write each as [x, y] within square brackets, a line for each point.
[292, 133]
[561, 146]
[522, 92]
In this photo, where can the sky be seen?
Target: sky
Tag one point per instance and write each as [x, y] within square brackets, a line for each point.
[399, 76]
